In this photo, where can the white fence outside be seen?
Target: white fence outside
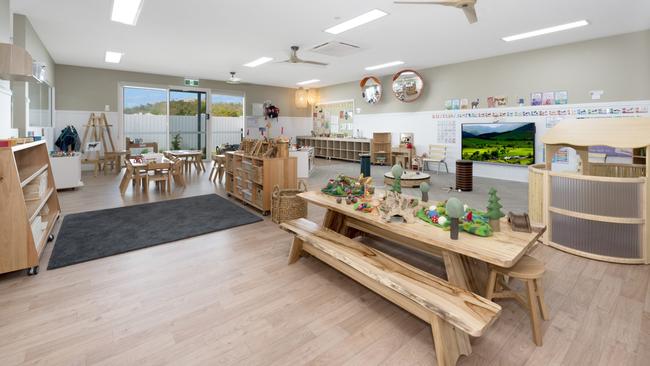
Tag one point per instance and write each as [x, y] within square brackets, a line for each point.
[153, 128]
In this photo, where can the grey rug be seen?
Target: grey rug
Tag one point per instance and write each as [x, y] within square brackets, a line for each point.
[98, 234]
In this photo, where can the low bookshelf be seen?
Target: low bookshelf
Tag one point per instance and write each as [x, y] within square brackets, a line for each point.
[251, 179]
[30, 206]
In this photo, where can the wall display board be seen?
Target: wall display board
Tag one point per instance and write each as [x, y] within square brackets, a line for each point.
[446, 132]
[435, 127]
[334, 118]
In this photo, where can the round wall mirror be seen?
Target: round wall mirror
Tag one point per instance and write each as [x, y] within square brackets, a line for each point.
[371, 89]
[407, 85]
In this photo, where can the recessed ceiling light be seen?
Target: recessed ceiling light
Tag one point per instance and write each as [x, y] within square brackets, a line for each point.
[308, 82]
[113, 57]
[258, 62]
[358, 21]
[383, 66]
[539, 32]
[126, 11]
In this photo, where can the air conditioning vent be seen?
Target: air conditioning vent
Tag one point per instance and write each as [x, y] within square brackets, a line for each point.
[336, 49]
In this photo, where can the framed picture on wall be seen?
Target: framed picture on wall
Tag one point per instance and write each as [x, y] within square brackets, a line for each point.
[548, 98]
[561, 97]
[535, 98]
[455, 104]
[501, 101]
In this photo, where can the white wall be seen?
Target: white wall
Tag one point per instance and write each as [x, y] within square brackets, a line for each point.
[293, 126]
[5, 110]
[5, 91]
[425, 129]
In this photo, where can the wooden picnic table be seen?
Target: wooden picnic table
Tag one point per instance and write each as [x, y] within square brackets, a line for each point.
[191, 157]
[465, 259]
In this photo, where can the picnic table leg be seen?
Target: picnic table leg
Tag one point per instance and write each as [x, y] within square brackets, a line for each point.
[467, 273]
[337, 222]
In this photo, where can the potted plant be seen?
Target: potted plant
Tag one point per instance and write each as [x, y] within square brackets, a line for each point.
[177, 140]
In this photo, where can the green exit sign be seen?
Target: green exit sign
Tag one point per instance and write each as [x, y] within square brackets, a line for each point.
[191, 82]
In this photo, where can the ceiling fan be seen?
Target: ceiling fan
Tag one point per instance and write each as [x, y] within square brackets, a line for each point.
[467, 6]
[233, 79]
[294, 59]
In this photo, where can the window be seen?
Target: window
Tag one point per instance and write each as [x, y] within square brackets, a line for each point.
[40, 105]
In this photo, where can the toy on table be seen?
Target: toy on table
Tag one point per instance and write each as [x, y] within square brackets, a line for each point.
[424, 188]
[472, 221]
[455, 211]
[344, 186]
[396, 205]
[494, 210]
[363, 206]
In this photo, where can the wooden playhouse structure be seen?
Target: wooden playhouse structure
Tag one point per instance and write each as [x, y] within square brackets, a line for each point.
[600, 211]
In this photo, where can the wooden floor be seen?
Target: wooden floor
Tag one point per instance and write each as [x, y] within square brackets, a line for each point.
[228, 298]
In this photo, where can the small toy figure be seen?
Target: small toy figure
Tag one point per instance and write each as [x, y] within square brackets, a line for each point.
[424, 187]
[339, 199]
[494, 210]
[454, 209]
[469, 217]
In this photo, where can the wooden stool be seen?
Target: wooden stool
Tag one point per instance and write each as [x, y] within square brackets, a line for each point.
[530, 271]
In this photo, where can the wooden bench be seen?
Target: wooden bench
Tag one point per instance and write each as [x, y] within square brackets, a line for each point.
[452, 312]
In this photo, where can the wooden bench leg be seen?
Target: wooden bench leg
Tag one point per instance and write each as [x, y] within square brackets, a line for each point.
[540, 297]
[296, 249]
[450, 343]
[456, 270]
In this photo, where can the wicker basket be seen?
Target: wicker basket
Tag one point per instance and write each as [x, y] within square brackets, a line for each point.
[286, 204]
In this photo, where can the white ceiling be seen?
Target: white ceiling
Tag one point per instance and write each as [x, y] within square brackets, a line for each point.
[207, 39]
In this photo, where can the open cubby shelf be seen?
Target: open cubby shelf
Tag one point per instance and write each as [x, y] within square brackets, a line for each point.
[251, 179]
[336, 148]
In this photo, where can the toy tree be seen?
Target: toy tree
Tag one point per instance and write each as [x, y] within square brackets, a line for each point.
[397, 175]
[424, 187]
[494, 210]
[454, 209]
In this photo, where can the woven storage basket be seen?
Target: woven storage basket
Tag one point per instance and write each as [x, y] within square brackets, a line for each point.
[286, 205]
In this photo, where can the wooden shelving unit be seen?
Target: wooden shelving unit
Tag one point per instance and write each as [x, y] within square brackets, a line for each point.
[336, 148]
[639, 156]
[251, 179]
[30, 205]
[381, 148]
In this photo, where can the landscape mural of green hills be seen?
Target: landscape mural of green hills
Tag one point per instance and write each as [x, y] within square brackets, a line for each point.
[505, 143]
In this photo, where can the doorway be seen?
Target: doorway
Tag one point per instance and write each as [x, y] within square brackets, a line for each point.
[227, 118]
[187, 120]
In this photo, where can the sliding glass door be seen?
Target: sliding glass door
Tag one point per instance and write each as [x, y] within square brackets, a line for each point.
[227, 118]
[178, 119]
[187, 120]
[145, 115]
